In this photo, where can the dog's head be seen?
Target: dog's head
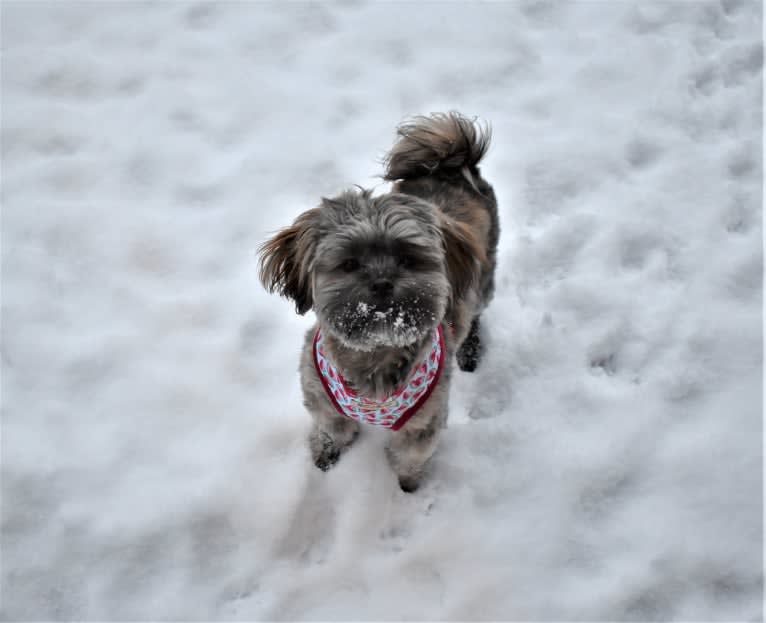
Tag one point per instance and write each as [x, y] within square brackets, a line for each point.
[378, 271]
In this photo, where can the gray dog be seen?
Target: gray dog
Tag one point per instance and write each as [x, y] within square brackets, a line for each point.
[397, 283]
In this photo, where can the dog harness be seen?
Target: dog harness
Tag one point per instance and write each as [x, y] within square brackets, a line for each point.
[394, 410]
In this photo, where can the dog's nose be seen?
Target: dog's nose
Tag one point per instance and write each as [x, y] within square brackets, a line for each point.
[382, 288]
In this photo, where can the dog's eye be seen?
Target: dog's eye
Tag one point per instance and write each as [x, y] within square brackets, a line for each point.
[406, 261]
[350, 265]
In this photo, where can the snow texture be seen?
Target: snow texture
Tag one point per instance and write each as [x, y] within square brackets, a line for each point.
[604, 462]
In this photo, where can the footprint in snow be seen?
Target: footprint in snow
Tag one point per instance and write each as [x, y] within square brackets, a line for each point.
[742, 163]
[737, 217]
[311, 532]
[642, 152]
[200, 16]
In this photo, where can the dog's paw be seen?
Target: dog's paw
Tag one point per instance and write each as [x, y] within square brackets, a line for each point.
[409, 484]
[469, 353]
[467, 361]
[324, 450]
[327, 458]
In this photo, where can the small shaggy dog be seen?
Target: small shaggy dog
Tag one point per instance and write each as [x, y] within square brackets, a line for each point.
[397, 283]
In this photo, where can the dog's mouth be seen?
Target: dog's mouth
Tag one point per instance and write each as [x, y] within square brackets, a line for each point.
[367, 325]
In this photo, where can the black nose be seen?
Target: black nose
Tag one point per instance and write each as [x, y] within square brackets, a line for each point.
[382, 288]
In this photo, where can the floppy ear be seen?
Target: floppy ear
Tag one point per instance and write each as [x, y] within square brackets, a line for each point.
[286, 259]
[464, 255]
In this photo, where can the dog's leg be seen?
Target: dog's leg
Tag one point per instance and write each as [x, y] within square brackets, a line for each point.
[409, 451]
[329, 437]
[470, 350]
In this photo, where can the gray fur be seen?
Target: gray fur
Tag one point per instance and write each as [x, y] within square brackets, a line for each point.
[382, 272]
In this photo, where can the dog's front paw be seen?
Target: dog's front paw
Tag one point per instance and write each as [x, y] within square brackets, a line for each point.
[327, 458]
[324, 450]
[409, 484]
[467, 359]
[470, 350]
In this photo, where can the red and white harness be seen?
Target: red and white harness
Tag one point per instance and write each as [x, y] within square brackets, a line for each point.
[394, 410]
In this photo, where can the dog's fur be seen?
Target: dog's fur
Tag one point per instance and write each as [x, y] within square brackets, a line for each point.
[382, 272]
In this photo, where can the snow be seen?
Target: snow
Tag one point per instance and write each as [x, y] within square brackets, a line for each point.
[604, 463]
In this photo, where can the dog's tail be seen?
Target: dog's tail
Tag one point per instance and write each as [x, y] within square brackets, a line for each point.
[441, 142]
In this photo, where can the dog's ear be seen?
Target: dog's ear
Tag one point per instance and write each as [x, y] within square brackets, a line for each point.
[285, 261]
[464, 255]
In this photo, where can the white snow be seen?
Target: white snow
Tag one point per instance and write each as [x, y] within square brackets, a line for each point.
[605, 462]
[399, 321]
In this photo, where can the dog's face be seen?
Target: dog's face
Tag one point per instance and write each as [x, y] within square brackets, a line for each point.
[378, 271]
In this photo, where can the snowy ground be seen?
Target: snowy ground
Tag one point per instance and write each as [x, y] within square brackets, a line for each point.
[605, 463]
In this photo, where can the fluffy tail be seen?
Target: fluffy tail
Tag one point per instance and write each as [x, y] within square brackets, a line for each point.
[439, 142]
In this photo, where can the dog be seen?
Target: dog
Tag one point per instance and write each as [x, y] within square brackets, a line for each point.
[398, 283]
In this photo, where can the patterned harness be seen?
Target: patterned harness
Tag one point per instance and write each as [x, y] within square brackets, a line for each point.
[394, 410]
